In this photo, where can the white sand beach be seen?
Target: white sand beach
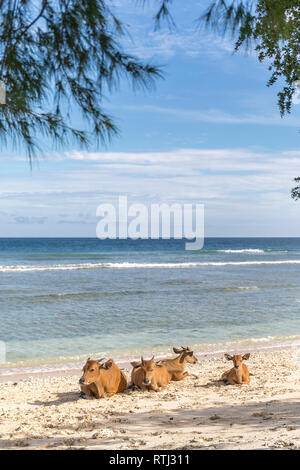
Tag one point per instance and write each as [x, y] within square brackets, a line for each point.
[197, 413]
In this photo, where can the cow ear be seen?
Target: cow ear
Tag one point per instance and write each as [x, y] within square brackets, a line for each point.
[182, 358]
[135, 364]
[108, 364]
[176, 351]
[190, 353]
[246, 356]
[228, 357]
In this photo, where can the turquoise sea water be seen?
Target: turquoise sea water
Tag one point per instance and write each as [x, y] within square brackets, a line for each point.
[63, 299]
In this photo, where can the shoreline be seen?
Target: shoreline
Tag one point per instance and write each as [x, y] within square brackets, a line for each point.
[74, 367]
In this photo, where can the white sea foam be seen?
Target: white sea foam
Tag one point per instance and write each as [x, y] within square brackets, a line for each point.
[248, 250]
[125, 265]
[247, 287]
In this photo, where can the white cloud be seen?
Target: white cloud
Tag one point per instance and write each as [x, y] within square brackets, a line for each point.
[217, 116]
[165, 44]
[185, 39]
[239, 187]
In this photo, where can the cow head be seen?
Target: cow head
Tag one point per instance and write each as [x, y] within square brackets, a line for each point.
[237, 359]
[148, 368]
[91, 371]
[186, 355]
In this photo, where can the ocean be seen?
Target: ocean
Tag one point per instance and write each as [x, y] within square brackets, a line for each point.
[62, 300]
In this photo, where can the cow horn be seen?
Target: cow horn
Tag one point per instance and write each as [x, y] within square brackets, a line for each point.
[100, 360]
[88, 359]
[142, 359]
[152, 358]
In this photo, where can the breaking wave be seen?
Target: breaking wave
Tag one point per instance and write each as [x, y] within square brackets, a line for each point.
[248, 250]
[126, 265]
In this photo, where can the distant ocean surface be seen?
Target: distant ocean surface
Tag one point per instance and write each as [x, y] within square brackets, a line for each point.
[66, 299]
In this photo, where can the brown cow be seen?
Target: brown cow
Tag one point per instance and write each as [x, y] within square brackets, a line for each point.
[148, 375]
[239, 374]
[177, 365]
[102, 379]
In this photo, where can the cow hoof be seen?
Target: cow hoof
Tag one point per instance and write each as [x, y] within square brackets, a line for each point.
[83, 395]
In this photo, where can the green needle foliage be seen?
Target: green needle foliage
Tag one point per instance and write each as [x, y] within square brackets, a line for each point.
[269, 27]
[272, 29]
[296, 190]
[61, 54]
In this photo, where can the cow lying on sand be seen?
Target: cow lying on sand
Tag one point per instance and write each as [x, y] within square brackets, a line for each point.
[149, 375]
[177, 365]
[101, 379]
[239, 374]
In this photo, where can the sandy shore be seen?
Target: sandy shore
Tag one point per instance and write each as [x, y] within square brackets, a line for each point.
[197, 413]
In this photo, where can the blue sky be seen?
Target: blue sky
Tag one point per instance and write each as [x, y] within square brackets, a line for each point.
[209, 133]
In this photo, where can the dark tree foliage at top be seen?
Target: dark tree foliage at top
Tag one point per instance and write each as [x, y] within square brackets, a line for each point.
[272, 29]
[56, 55]
[269, 27]
[296, 190]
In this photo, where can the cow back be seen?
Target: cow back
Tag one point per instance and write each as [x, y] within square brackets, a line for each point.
[137, 376]
[113, 380]
[162, 375]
